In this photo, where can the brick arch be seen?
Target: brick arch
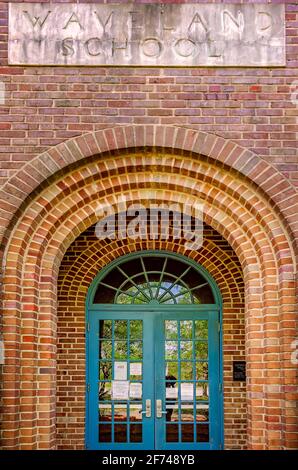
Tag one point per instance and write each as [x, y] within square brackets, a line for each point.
[56, 216]
[214, 183]
[180, 139]
[82, 261]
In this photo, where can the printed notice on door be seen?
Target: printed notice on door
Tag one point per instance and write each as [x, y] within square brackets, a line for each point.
[120, 390]
[187, 391]
[135, 390]
[120, 370]
[136, 368]
[172, 393]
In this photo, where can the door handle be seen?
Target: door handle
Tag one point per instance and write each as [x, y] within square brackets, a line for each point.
[147, 411]
[159, 410]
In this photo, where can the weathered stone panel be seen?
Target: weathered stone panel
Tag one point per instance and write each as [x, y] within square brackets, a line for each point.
[147, 34]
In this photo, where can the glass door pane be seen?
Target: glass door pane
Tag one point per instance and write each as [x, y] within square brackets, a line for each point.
[185, 383]
[120, 386]
[186, 380]
[119, 377]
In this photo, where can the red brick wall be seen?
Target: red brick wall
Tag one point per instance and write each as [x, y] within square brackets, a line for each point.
[248, 192]
[251, 106]
[80, 264]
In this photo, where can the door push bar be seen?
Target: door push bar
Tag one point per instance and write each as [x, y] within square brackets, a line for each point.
[159, 410]
[147, 411]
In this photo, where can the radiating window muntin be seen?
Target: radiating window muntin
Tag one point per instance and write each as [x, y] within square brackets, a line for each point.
[154, 279]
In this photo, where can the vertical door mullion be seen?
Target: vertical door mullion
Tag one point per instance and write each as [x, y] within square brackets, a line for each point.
[213, 360]
[179, 378]
[159, 365]
[194, 376]
[148, 377]
[128, 377]
[93, 352]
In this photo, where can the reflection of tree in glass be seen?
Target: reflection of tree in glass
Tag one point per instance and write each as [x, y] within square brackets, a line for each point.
[170, 383]
[105, 352]
[202, 371]
[186, 327]
[163, 292]
[186, 299]
[136, 297]
[120, 329]
[154, 279]
[171, 329]
[201, 329]
[171, 350]
[120, 346]
[136, 350]
[187, 371]
[105, 329]
[186, 344]
[201, 350]
[136, 329]
[186, 350]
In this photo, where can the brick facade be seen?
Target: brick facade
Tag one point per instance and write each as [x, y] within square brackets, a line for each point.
[70, 137]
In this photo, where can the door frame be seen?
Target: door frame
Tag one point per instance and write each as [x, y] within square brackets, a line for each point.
[100, 308]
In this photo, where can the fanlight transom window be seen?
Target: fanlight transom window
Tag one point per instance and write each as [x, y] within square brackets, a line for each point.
[153, 279]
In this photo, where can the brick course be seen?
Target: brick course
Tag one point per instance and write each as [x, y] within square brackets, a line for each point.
[251, 106]
[72, 136]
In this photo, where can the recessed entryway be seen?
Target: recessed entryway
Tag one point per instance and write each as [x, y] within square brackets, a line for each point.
[153, 355]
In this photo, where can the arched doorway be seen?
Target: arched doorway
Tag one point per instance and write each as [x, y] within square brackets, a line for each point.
[246, 201]
[153, 355]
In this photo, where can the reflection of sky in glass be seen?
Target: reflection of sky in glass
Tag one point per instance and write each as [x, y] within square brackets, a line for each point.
[133, 284]
[156, 280]
[164, 293]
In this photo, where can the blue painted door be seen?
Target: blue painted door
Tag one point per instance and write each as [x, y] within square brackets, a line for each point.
[153, 379]
[187, 385]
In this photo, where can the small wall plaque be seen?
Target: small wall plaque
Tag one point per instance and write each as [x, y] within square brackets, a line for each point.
[2, 352]
[239, 371]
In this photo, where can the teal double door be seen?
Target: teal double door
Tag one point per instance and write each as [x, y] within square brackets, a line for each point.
[154, 378]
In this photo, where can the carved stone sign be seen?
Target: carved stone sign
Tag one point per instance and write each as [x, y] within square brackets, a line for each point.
[147, 34]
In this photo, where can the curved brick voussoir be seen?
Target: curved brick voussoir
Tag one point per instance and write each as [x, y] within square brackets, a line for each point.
[179, 139]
